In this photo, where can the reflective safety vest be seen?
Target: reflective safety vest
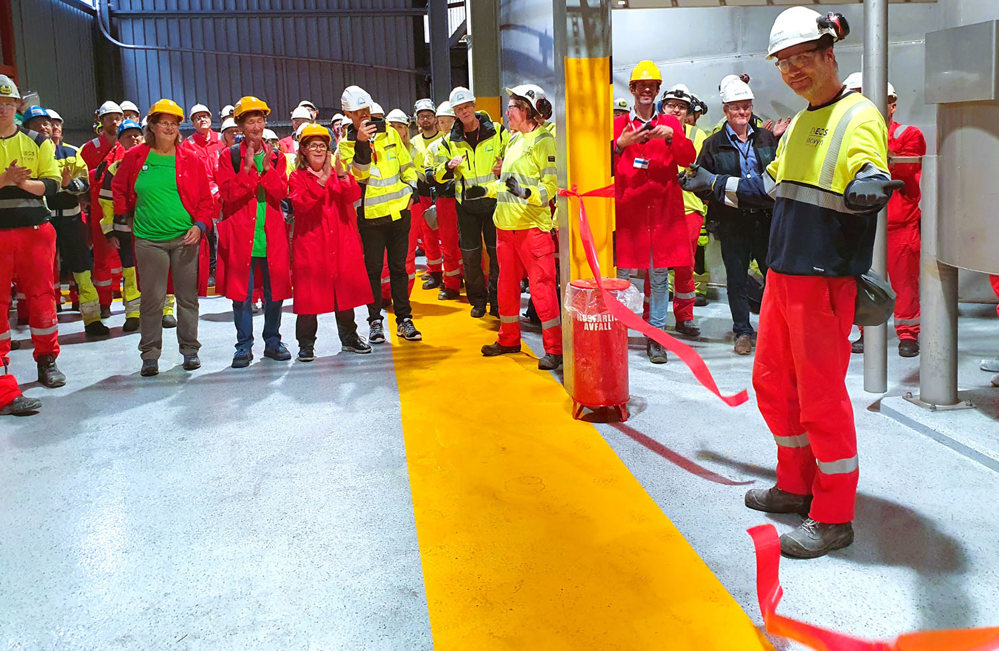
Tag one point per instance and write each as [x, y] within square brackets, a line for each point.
[384, 169]
[106, 199]
[476, 168]
[423, 159]
[530, 159]
[691, 203]
[19, 208]
[67, 203]
[814, 233]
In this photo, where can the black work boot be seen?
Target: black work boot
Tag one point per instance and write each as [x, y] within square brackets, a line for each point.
[436, 280]
[96, 330]
[774, 500]
[49, 374]
[813, 539]
[908, 348]
[496, 348]
[657, 354]
[21, 406]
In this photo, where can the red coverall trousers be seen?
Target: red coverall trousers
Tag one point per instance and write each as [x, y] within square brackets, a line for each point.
[903, 272]
[802, 355]
[447, 228]
[529, 252]
[26, 256]
[684, 291]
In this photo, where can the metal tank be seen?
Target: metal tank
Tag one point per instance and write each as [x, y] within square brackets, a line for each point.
[962, 79]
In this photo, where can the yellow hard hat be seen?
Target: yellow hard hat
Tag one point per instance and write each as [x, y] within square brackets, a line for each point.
[250, 103]
[314, 131]
[167, 107]
[646, 71]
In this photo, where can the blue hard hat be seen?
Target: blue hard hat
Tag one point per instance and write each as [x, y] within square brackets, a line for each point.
[128, 124]
[34, 112]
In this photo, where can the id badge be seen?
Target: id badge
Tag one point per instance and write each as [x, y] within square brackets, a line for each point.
[641, 164]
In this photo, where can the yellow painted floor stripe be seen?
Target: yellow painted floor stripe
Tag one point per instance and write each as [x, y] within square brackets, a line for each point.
[533, 533]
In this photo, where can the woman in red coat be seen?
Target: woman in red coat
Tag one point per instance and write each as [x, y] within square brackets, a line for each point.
[253, 232]
[328, 261]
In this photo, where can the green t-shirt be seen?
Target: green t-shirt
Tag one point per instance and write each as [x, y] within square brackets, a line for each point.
[259, 234]
[159, 213]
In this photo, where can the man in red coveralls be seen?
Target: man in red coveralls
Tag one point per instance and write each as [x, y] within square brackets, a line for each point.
[651, 230]
[906, 147]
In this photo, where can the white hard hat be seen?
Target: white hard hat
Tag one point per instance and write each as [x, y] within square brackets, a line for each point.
[53, 115]
[336, 118]
[227, 111]
[229, 123]
[891, 91]
[459, 96]
[8, 88]
[423, 105]
[444, 110]
[128, 106]
[308, 104]
[270, 135]
[854, 81]
[298, 131]
[678, 91]
[726, 79]
[376, 109]
[535, 96]
[109, 107]
[736, 90]
[621, 104]
[198, 108]
[797, 25]
[355, 98]
[396, 115]
[301, 113]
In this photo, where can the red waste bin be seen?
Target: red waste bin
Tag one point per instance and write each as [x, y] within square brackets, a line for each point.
[599, 348]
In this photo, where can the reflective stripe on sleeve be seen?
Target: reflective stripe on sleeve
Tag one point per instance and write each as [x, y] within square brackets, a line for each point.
[360, 168]
[69, 212]
[509, 319]
[551, 323]
[836, 143]
[731, 192]
[686, 295]
[41, 332]
[453, 272]
[4, 335]
[799, 441]
[841, 467]
[437, 261]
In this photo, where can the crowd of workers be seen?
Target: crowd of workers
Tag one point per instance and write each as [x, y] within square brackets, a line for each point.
[332, 217]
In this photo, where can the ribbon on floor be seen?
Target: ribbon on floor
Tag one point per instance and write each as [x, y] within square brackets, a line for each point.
[769, 593]
[686, 354]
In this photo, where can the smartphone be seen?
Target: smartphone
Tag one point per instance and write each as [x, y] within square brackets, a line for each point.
[239, 138]
[379, 123]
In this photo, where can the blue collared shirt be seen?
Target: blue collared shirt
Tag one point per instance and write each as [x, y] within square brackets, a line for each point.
[748, 164]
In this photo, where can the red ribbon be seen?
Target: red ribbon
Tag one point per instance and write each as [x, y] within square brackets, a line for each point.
[686, 354]
[769, 593]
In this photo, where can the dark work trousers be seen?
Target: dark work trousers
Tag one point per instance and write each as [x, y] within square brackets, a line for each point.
[474, 227]
[744, 237]
[390, 238]
[307, 325]
[71, 242]
[126, 251]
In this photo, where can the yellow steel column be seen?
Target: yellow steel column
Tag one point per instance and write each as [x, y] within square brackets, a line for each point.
[584, 127]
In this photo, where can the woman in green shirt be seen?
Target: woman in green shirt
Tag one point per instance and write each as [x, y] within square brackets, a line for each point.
[164, 188]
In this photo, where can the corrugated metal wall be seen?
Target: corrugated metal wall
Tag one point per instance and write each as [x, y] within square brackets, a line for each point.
[299, 39]
[55, 57]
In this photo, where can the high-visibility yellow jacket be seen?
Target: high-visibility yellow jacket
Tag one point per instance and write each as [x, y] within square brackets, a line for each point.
[384, 169]
[691, 203]
[530, 159]
[423, 159]
[67, 203]
[106, 199]
[20, 208]
[477, 166]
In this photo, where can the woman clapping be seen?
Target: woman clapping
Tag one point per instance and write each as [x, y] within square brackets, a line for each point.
[328, 272]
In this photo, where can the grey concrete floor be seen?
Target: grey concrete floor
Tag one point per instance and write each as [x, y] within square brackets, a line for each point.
[269, 507]
[926, 554]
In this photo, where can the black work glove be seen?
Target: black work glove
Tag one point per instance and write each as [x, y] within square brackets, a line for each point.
[697, 179]
[475, 192]
[871, 193]
[514, 188]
